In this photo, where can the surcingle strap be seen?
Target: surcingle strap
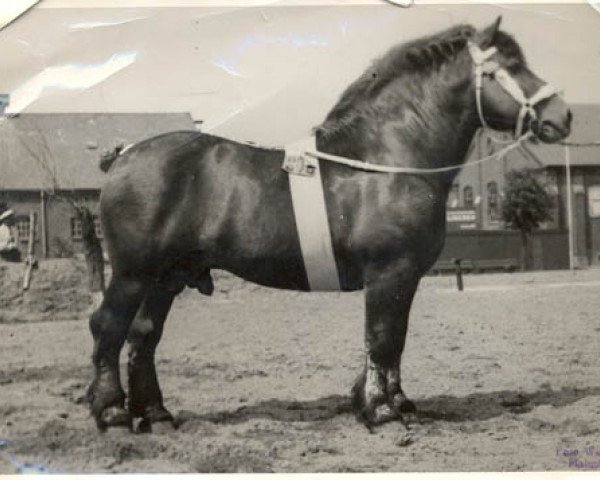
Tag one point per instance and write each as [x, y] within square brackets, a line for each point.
[311, 216]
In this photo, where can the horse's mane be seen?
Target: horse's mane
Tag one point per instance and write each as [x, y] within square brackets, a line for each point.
[418, 57]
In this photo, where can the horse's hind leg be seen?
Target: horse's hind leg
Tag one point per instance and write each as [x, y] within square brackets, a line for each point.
[377, 395]
[145, 397]
[109, 325]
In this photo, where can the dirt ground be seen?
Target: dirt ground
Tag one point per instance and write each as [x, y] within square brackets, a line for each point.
[504, 375]
[58, 291]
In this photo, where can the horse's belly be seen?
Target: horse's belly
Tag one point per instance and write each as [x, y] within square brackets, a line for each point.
[269, 273]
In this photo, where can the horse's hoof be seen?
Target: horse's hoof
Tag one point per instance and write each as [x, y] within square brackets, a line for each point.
[405, 409]
[141, 425]
[113, 417]
[384, 413]
[407, 406]
[155, 419]
[144, 425]
[402, 404]
[404, 439]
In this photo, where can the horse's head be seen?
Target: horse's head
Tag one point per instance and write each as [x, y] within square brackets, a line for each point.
[509, 95]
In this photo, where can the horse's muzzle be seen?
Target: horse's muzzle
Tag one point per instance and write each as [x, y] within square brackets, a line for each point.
[553, 120]
[550, 131]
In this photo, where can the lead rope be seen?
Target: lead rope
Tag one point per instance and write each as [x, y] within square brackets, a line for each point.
[373, 167]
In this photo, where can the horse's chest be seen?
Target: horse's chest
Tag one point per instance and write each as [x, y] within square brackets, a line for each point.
[392, 222]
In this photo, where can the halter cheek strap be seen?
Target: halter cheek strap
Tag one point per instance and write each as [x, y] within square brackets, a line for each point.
[484, 66]
[481, 63]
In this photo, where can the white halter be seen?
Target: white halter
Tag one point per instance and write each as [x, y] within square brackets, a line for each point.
[484, 66]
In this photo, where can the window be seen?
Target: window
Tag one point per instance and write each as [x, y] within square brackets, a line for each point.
[468, 200]
[97, 226]
[22, 226]
[454, 196]
[493, 206]
[551, 183]
[76, 230]
[489, 146]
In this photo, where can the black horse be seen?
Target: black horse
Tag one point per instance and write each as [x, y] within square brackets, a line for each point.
[177, 205]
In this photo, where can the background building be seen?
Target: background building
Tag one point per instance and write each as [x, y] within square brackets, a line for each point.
[474, 220]
[49, 160]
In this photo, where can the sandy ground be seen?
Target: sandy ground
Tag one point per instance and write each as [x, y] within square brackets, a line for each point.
[504, 375]
[58, 291]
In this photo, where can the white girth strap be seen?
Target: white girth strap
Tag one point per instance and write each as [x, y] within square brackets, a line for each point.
[310, 212]
[484, 66]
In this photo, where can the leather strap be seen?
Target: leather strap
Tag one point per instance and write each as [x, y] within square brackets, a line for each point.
[482, 65]
[312, 224]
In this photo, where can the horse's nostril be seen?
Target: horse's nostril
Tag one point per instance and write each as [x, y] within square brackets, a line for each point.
[551, 131]
[569, 116]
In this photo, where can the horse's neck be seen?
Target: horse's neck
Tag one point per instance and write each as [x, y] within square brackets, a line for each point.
[418, 122]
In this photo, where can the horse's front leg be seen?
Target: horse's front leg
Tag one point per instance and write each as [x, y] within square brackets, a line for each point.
[378, 395]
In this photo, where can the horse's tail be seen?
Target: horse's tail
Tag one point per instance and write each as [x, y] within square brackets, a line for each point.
[108, 157]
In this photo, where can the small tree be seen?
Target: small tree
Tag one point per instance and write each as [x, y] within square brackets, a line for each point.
[526, 204]
[39, 149]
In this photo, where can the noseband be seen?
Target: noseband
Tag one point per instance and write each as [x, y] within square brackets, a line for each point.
[484, 66]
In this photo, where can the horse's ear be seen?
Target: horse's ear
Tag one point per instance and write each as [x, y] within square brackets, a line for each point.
[489, 33]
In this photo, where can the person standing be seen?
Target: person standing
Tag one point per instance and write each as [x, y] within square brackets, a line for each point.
[8, 246]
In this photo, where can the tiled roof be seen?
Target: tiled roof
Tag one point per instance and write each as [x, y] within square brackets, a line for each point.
[36, 147]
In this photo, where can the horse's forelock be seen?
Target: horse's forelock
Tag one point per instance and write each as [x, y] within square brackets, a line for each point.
[509, 48]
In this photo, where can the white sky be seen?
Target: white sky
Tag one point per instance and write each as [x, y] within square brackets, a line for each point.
[266, 74]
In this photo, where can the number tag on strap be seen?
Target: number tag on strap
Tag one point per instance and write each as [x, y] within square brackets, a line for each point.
[297, 163]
